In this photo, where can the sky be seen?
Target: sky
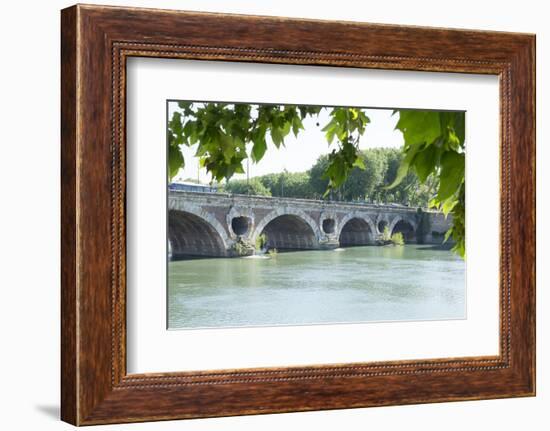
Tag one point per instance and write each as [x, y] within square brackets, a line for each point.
[300, 153]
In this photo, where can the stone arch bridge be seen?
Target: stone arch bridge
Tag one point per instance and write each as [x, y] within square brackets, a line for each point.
[211, 224]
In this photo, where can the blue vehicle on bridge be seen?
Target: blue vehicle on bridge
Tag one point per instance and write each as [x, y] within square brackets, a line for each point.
[192, 187]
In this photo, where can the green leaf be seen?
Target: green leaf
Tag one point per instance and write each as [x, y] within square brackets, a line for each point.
[359, 163]
[227, 147]
[276, 136]
[286, 129]
[405, 165]
[297, 125]
[453, 141]
[336, 169]
[342, 133]
[189, 128]
[448, 234]
[175, 161]
[185, 105]
[459, 126]
[419, 126]
[330, 130]
[194, 137]
[452, 174]
[460, 249]
[259, 148]
[340, 114]
[425, 161]
[176, 128]
[448, 205]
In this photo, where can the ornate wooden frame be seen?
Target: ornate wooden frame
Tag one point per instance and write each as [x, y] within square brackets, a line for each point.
[95, 43]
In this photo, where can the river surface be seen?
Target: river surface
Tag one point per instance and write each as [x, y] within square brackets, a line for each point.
[357, 284]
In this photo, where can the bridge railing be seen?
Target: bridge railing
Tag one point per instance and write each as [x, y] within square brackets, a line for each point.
[285, 200]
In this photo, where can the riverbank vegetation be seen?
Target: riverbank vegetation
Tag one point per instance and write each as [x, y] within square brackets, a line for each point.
[243, 248]
[370, 184]
[397, 239]
[261, 242]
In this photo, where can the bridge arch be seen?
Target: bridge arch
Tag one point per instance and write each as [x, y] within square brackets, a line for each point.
[356, 229]
[290, 229]
[195, 232]
[404, 225]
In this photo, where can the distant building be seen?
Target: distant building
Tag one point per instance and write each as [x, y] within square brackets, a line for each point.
[193, 187]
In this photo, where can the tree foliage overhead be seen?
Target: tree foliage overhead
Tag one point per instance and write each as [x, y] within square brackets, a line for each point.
[223, 130]
[434, 146]
[226, 134]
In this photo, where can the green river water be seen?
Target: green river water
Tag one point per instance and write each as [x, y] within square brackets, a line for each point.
[358, 284]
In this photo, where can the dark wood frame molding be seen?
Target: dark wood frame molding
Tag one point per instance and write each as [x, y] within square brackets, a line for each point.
[95, 43]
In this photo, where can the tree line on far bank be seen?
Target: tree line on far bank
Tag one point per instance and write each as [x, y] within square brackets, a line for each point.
[362, 185]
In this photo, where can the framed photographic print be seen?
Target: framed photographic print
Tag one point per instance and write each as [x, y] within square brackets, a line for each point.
[260, 217]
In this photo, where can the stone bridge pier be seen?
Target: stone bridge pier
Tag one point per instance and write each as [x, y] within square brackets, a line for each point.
[213, 224]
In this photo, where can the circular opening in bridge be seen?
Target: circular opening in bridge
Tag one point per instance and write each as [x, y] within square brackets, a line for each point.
[382, 225]
[329, 225]
[240, 225]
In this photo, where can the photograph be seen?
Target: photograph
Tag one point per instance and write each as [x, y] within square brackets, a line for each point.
[283, 214]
